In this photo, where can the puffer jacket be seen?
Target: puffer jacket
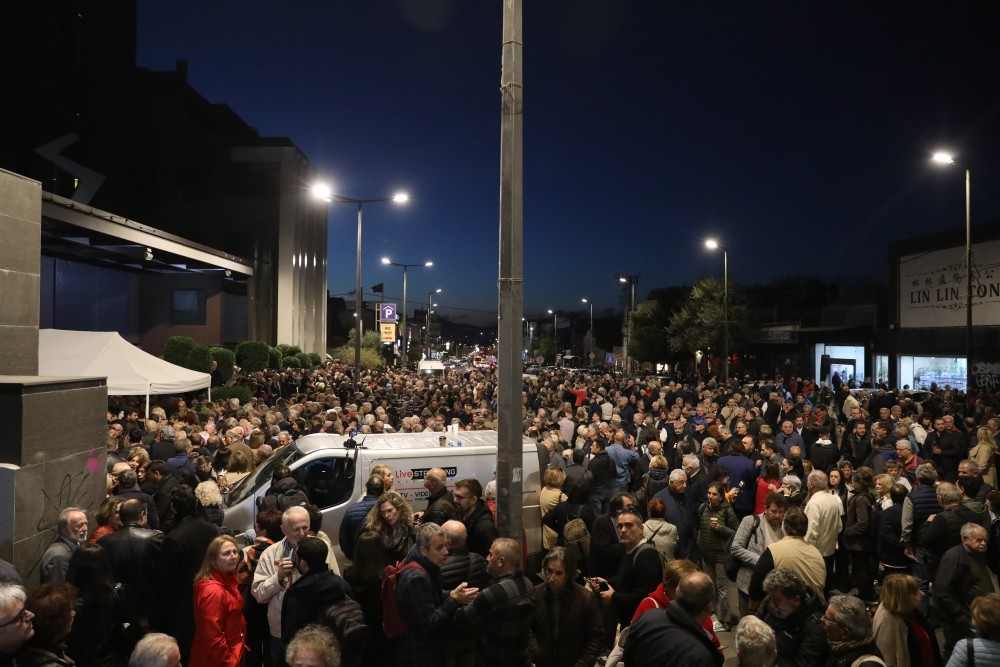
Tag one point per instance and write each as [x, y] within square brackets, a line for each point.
[984, 651]
[713, 542]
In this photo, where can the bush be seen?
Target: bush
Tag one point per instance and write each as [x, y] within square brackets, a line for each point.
[315, 361]
[199, 359]
[252, 356]
[305, 361]
[225, 393]
[273, 358]
[288, 350]
[226, 360]
[177, 349]
[370, 359]
[291, 361]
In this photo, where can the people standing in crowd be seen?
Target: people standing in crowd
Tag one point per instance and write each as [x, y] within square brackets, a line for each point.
[849, 633]
[857, 535]
[71, 532]
[793, 552]
[392, 519]
[962, 576]
[901, 631]
[755, 534]
[794, 613]
[756, 645]
[315, 590]
[658, 532]
[52, 609]
[984, 648]
[550, 496]
[353, 521]
[716, 523]
[566, 626]
[313, 646]
[97, 638]
[365, 576]
[471, 510]
[136, 555]
[220, 628]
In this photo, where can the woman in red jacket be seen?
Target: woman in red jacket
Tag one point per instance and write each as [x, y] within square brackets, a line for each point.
[220, 628]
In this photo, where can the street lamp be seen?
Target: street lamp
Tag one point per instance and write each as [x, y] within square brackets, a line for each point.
[427, 339]
[591, 304]
[629, 280]
[947, 159]
[712, 244]
[402, 326]
[324, 192]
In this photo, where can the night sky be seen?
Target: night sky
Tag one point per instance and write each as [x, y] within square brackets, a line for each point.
[796, 133]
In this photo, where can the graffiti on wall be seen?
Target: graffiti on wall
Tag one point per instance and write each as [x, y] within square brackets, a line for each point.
[986, 375]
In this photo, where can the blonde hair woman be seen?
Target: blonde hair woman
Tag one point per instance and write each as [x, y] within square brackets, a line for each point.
[551, 496]
[392, 518]
[218, 608]
[982, 453]
[883, 485]
[898, 622]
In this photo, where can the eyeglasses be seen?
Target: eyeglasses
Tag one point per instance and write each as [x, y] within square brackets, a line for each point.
[21, 617]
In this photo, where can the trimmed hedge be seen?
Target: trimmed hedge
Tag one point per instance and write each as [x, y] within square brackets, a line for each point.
[305, 361]
[199, 359]
[370, 359]
[252, 356]
[226, 360]
[288, 350]
[177, 349]
[315, 360]
[225, 393]
[273, 358]
[291, 361]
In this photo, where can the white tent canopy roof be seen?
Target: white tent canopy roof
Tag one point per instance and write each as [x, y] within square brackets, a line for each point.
[129, 370]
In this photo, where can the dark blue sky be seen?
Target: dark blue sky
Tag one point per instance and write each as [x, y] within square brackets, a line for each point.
[796, 133]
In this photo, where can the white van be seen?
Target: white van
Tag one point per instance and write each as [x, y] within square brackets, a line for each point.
[430, 367]
[333, 475]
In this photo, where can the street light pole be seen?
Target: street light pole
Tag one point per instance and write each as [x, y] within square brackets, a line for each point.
[427, 329]
[630, 280]
[947, 158]
[323, 191]
[713, 244]
[402, 325]
[591, 304]
[555, 329]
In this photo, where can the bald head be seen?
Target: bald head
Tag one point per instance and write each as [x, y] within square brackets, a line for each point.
[456, 533]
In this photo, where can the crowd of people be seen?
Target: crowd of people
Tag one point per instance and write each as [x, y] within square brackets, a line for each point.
[823, 525]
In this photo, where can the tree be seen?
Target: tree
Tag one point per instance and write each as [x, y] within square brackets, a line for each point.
[699, 324]
[546, 349]
[650, 335]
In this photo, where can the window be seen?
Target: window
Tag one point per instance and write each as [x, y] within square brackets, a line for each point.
[187, 306]
[327, 481]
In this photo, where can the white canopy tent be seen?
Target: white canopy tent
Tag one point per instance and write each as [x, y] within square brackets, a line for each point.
[129, 370]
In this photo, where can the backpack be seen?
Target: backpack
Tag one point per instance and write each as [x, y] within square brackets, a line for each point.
[347, 621]
[732, 563]
[577, 538]
[393, 624]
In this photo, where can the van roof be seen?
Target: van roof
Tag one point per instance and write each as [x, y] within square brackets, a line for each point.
[400, 441]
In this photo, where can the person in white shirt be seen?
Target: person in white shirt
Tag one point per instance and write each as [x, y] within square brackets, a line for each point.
[824, 513]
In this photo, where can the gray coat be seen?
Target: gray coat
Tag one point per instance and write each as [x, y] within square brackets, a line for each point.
[748, 545]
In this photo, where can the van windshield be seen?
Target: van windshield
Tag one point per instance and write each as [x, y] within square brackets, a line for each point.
[250, 484]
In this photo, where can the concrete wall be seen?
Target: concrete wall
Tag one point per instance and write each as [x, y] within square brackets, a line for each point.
[155, 304]
[20, 258]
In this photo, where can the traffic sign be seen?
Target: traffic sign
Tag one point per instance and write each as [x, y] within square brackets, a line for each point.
[387, 312]
[389, 333]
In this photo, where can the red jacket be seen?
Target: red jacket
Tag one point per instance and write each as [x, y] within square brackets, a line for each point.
[220, 628]
[658, 600]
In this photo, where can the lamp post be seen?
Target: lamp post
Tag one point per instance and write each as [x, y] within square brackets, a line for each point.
[629, 280]
[712, 244]
[402, 325]
[591, 304]
[947, 158]
[555, 328]
[323, 191]
[427, 340]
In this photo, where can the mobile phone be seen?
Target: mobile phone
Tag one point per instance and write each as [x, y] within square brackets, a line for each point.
[741, 484]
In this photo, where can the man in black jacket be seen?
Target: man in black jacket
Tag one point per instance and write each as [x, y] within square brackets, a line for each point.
[183, 552]
[310, 595]
[794, 613]
[675, 636]
[566, 629]
[477, 517]
[440, 503]
[135, 552]
[945, 450]
[639, 572]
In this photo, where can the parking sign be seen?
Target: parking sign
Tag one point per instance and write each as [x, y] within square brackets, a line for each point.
[387, 312]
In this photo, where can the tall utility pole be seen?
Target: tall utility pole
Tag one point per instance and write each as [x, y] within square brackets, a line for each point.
[510, 282]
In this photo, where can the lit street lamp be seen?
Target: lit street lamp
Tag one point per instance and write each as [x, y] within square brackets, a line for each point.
[323, 191]
[591, 304]
[402, 325]
[712, 244]
[946, 159]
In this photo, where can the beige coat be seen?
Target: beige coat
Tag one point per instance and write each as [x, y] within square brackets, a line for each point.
[548, 499]
[983, 456]
[890, 636]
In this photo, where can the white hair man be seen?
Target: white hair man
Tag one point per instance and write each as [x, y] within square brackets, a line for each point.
[276, 573]
[755, 643]
[72, 530]
[156, 650]
[824, 513]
